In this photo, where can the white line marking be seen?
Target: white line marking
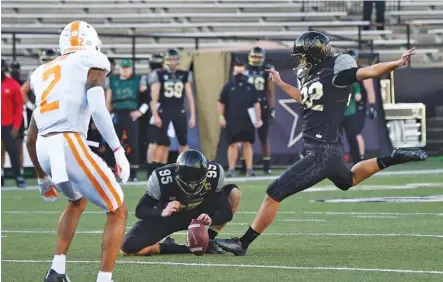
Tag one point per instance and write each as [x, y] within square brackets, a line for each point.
[254, 212]
[301, 220]
[266, 233]
[286, 267]
[261, 178]
[4, 236]
[376, 216]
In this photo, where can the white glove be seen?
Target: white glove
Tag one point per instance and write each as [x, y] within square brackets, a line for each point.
[122, 164]
[48, 190]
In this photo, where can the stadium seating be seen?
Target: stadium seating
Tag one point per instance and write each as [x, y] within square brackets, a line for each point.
[221, 23]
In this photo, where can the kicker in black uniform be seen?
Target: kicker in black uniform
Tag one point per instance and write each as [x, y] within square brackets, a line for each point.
[259, 77]
[190, 189]
[325, 79]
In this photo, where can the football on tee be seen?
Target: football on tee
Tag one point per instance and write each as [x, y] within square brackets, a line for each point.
[197, 237]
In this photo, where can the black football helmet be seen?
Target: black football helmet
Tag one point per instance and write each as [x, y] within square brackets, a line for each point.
[311, 48]
[156, 61]
[192, 168]
[15, 65]
[172, 58]
[256, 56]
[47, 56]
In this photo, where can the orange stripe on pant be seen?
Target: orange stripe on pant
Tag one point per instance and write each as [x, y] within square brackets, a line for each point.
[88, 173]
[74, 33]
[98, 169]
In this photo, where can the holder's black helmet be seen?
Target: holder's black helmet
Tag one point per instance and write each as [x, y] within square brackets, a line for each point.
[312, 48]
[256, 56]
[192, 168]
[15, 65]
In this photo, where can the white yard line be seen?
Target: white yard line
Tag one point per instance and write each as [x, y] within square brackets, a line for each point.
[285, 267]
[270, 177]
[255, 212]
[266, 233]
[376, 216]
[300, 220]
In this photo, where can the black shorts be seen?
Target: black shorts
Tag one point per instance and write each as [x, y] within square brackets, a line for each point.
[21, 131]
[247, 134]
[263, 130]
[322, 161]
[149, 231]
[179, 120]
[127, 132]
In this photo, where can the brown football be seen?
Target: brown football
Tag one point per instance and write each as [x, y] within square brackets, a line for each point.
[197, 237]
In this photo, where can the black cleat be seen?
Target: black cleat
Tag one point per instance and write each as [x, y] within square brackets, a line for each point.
[405, 155]
[168, 240]
[231, 245]
[267, 172]
[213, 248]
[53, 276]
[20, 182]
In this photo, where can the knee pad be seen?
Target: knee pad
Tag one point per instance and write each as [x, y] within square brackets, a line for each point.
[131, 244]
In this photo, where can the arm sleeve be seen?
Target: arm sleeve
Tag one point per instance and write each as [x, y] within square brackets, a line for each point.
[221, 179]
[153, 78]
[143, 81]
[223, 212]
[345, 71]
[107, 82]
[101, 116]
[190, 77]
[154, 187]
[223, 95]
[18, 106]
[147, 207]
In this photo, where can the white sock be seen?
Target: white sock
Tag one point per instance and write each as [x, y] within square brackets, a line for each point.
[59, 264]
[104, 276]
[22, 171]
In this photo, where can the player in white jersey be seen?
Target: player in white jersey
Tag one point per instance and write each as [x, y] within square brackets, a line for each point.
[69, 90]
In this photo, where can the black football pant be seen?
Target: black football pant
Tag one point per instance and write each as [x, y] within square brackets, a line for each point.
[10, 144]
[179, 120]
[151, 230]
[123, 123]
[322, 161]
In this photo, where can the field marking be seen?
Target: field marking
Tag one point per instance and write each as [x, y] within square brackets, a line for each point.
[324, 188]
[255, 212]
[286, 267]
[300, 220]
[262, 178]
[266, 233]
[376, 216]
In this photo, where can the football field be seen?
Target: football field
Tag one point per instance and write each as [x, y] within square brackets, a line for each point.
[389, 228]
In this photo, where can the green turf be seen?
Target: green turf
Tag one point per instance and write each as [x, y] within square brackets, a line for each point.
[306, 244]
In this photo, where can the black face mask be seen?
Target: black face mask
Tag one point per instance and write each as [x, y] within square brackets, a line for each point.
[239, 77]
[15, 75]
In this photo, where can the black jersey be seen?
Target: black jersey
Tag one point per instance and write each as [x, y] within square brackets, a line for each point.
[324, 102]
[259, 77]
[172, 86]
[163, 187]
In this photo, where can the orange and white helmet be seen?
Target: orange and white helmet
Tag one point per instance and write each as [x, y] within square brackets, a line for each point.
[78, 35]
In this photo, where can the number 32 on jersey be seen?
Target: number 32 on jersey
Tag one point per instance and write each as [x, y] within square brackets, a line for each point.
[310, 94]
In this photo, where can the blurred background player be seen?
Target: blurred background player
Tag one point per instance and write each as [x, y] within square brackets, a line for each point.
[259, 77]
[57, 144]
[168, 88]
[12, 116]
[191, 188]
[15, 72]
[122, 97]
[236, 98]
[155, 63]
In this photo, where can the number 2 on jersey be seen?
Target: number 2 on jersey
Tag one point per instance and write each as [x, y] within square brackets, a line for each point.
[56, 71]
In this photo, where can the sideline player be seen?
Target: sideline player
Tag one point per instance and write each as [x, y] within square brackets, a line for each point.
[192, 188]
[69, 90]
[325, 81]
[259, 77]
[168, 87]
